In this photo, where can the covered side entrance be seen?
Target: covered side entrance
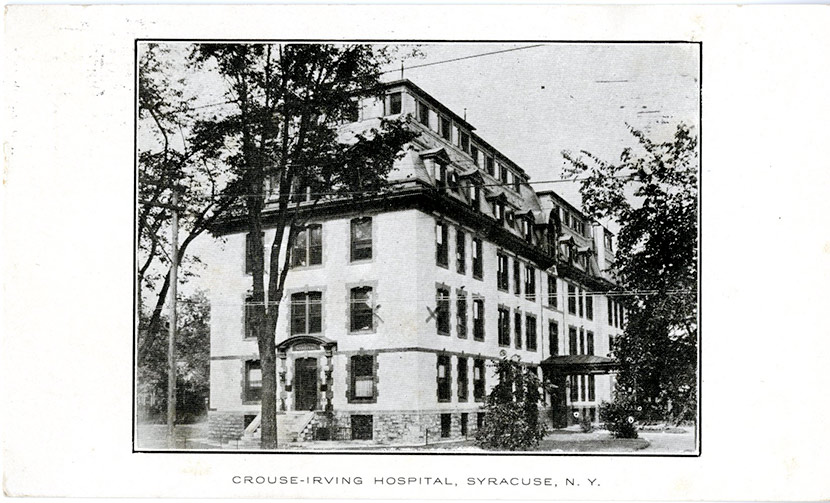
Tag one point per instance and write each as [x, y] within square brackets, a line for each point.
[557, 370]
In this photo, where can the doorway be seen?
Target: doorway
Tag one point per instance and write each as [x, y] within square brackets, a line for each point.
[305, 384]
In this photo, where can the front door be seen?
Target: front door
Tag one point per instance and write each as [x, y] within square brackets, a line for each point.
[305, 384]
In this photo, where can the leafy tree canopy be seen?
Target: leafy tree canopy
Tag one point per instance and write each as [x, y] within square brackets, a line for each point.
[656, 264]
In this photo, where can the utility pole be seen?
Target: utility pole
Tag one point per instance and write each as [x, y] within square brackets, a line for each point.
[172, 294]
[171, 348]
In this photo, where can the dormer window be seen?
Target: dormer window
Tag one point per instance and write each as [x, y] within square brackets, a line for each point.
[490, 166]
[445, 128]
[452, 180]
[498, 210]
[474, 154]
[395, 103]
[475, 196]
[441, 175]
[503, 173]
[423, 113]
[527, 230]
[464, 141]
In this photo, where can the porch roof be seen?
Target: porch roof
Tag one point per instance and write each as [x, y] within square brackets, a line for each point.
[580, 364]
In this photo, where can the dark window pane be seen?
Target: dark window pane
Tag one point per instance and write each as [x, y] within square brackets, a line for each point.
[423, 113]
[445, 128]
[517, 329]
[553, 338]
[461, 310]
[460, 251]
[443, 377]
[462, 380]
[590, 343]
[394, 103]
[253, 380]
[443, 311]
[572, 342]
[315, 312]
[298, 313]
[361, 308]
[315, 244]
[361, 239]
[478, 319]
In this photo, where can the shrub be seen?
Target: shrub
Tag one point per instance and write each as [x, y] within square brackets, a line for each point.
[585, 423]
[620, 418]
[512, 421]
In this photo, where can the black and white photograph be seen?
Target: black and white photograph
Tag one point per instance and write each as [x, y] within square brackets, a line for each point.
[415, 252]
[421, 247]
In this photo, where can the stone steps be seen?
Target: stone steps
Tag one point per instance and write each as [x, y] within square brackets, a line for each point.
[291, 427]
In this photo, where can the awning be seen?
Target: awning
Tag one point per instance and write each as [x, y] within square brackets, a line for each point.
[579, 364]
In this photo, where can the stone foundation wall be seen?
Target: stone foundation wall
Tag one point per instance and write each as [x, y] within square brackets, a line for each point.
[226, 425]
[405, 427]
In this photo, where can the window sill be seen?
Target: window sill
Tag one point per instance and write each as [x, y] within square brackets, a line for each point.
[363, 332]
[363, 400]
[480, 278]
[305, 267]
[442, 266]
[445, 334]
[362, 261]
[252, 402]
[444, 400]
[478, 339]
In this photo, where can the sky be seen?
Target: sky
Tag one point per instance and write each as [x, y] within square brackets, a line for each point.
[535, 102]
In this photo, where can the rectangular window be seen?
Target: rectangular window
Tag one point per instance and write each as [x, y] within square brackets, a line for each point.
[442, 256]
[582, 388]
[249, 251]
[478, 262]
[362, 427]
[581, 298]
[308, 246]
[502, 277]
[474, 154]
[589, 305]
[361, 246]
[622, 316]
[463, 380]
[465, 418]
[610, 312]
[610, 345]
[517, 182]
[490, 165]
[478, 319]
[590, 336]
[504, 326]
[461, 313]
[253, 381]
[592, 388]
[574, 388]
[443, 378]
[572, 341]
[517, 328]
[352, 113]
[363, 377]
[475, 197]
[571, 299]
[306, 313]
[530, 283]
[446, 129]
[553, 294]
[553, 338]
[503, 174]
[442, 311]
[460, 251]
[423, 113]
[478, 381]
[498, 211]
[581, 341]
[361, 309]
[250, 330]
[530, 330]
[616, 315]
[446, 425]
[395, 103]
[517, 277]
[464, 141]
[527, 230]
[608, 242]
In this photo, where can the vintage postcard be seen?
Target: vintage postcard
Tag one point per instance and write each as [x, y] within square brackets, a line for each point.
[440, 252]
